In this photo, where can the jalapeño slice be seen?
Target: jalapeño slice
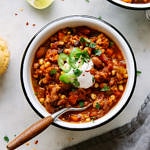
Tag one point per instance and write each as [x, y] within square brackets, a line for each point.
[67, 78]
[75, 58]
[63, 62]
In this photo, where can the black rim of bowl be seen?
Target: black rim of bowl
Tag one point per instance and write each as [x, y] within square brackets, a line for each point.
[26, 94]
[129, 7]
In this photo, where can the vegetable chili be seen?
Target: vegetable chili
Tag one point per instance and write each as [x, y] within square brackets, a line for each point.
[137, 1]
[57, 67]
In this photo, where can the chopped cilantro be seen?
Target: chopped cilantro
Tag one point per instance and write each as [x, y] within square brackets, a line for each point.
[84, 40]
[85, 56]
[138, 72]
[97, 106]
[92, 45]
[111, 43]
[53, 71]
[87, 42]
[97, 52]
[99, 17]
[93, 79]
[105, 88]
[6, 138]
[76, 83]
[77, 72]
[81, 103]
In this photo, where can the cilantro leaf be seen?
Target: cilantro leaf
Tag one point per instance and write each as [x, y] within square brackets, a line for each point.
[81, 103]
[97, 52]
[76, 83]
[99, 17]
[6, 138]
[138, 72]
[53, 71]
[97, 106]
[84, 40]
[111, 43]
[105, 88]
[77, 72]
[92, 45]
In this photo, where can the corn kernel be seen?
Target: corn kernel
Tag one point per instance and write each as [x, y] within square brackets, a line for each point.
[41, 100]
[60, 43]
[63, 96]
[88, 120]
[112, 98]
[68, 32]
[120, 87]
[113, 72]
[67, 51]
[41, 61]
[125, 75]
[42, 67]
[47, 64]
[93, 96]
[96, 85]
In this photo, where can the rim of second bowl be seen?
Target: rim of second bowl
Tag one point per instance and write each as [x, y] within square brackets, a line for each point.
[25, 69]
[130, 6]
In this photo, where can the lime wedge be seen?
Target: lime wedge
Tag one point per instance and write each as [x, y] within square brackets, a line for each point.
[40, 4]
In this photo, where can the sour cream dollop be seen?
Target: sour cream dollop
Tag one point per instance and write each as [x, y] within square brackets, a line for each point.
[86, 78]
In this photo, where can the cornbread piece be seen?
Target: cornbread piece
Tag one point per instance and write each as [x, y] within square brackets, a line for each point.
[4, 56]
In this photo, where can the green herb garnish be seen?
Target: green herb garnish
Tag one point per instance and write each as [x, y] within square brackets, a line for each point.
[97, 52]
[77, 72]
[111, 43]
[85, 56]
[70, 65]
[87, 42]
[84, 40]
[105, 88]
[138, 72]
[99, 17]
[92, 45]
[97, 106]
[81, 103]
[76, 83]
[87, 1]
[6, 138]
[53, 71]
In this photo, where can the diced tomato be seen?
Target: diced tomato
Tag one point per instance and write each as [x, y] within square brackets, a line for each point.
[73, 98]
[61, 35]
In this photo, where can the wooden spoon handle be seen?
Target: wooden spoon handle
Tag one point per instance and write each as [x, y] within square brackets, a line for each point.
[30, 132]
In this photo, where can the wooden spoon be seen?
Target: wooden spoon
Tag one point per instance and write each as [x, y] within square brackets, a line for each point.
[38, 127]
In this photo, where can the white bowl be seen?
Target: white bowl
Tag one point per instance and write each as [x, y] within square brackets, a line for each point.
[72, 21]
[129, 5]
